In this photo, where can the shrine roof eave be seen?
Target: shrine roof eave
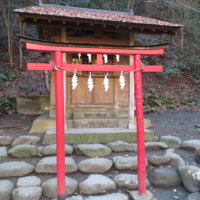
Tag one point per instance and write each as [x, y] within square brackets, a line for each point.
[60, 16]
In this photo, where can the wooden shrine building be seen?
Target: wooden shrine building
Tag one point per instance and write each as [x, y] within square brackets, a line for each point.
[96, 27]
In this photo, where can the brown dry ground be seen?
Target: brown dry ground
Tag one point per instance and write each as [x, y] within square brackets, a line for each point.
[178, 123]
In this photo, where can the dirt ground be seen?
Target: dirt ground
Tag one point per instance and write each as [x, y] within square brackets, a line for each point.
[177, 123]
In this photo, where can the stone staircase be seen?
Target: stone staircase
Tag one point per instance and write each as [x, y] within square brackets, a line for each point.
[95, 119]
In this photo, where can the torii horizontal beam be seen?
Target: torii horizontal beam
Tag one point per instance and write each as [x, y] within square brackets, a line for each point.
[91, 68]
[92, 50]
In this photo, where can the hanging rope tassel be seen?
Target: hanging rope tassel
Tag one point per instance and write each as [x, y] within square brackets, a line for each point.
[90, 83]
[74, 81]
[79, 56]
[122, 80]
[106, 83]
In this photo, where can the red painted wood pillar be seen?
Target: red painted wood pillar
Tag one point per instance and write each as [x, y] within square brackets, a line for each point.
[60, 126]
[140, 127]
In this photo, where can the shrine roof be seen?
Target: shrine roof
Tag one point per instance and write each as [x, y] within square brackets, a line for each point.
[93, 14]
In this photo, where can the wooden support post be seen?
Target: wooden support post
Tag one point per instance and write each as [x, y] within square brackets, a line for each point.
[131, 99]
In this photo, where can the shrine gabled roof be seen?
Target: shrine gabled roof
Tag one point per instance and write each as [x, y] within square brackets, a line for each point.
[93, 14]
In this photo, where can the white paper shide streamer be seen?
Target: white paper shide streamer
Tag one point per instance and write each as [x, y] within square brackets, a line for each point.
[122, 80]
[89, 57]
[90, 83]
[79, 56]
[105, 58]
[74, 81]
[117, 58]
[106, 83]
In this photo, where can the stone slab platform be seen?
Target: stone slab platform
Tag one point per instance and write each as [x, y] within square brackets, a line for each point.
[96, 135]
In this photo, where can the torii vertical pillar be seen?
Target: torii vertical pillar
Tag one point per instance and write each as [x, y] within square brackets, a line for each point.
[140, 127]
[60, 126]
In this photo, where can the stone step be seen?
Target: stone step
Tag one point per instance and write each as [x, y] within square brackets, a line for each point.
[96, 135]
[94, 114]
[96, 123]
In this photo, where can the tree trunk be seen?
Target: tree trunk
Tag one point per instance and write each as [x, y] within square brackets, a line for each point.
[182, 37]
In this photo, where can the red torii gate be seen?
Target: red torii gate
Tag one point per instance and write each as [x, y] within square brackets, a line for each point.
[136, 66]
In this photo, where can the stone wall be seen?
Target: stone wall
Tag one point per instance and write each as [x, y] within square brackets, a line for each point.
[32, 105]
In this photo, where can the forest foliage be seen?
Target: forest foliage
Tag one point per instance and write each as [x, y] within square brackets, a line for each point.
[183, 55]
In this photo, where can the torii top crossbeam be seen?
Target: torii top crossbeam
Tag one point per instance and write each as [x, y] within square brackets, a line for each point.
[58, 49]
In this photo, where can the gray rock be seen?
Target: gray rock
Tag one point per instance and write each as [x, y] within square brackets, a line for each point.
[120, 146]
[92, 150]
[190, 176]
[49, 165]
[40, 150]
[24, 193]
[24, 151]
[134, 195]
[6, 188]
[51, 150]
[3, 151]
[25, 140]
[156, 139]
[175, 197]
[164, 177]
[126, 162]
[171, 141]
[50, 187]
[176, 160]
[158, 160]
[5, 140]
[151, 146]
[79, 197]
[129, 181]
[197, 154]
[95, 165]
[15, 168]
[96, 183]
[194, 196]
[191, 145]
[114, 196]
[29, 181]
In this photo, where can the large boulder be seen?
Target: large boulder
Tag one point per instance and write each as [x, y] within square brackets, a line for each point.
[171, 141]
[5, 140]
[176, 160]
[3, 151]
[130, 162]
[49, 165]
[164, 177]
[95, 165]
[129, 181]
[50, 187]
[190, 176]
[24, 193]
[95, 184]
[152, 146]
[158, 160]
[6, 188]
[194, 196]
[25, 140]
[191, 145]
[114, 196]
[120, 146]
[29, 181]
[92, 150]
[24, 151]
[197, 154]
[15, 168]
[51, 150]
